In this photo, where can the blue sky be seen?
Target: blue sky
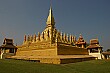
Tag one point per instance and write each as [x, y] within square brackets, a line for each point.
[91, 18]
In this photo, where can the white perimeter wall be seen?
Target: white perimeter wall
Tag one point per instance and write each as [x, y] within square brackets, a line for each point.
[98, 55]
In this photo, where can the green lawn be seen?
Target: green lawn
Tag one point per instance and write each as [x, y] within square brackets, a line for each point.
[18, 66]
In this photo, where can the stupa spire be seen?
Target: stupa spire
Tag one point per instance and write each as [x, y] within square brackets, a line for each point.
[50, 19]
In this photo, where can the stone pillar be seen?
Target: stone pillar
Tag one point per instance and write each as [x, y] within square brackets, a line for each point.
[67, 38]
[74, 39]
[42, 35]
[57, 36]
[38, 36]
[70, 39]
[25, 38]
[34, 38]
[64, 37]
[61, 36]
[28, 38]
[31, 38]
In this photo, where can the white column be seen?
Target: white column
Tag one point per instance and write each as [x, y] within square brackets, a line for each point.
[14, 51]
[2, 52]
[82, 46]
[99, 50]
[89, 50]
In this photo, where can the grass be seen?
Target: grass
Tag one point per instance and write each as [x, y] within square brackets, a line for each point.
[18, 66]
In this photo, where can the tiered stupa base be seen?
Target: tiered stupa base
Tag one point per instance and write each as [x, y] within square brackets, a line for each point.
[60, 59]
